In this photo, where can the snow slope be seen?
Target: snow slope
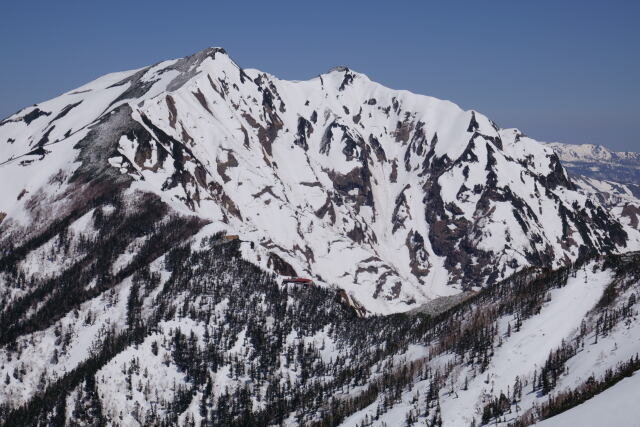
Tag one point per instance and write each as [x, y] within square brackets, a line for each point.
[568, 315]
[531, 346]
[617, 406]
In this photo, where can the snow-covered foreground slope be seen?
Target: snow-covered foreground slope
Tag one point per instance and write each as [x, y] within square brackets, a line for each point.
[614, 407]
[394, 197]
[527, 349]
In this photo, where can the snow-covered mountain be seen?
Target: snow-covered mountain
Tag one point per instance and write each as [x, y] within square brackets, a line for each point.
[394, 197]
[125, 300]
[598, 162]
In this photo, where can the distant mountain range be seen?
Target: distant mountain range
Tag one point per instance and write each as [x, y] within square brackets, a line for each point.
[394, 197]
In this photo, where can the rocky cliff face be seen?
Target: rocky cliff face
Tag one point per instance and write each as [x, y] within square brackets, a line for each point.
[394, 197]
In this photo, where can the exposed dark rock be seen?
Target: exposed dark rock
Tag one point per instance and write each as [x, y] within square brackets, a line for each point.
[393, 176]
[34, 114]
[358, 309]
[418, 142]
[45, 137]
[396, 105]
[187, 66]
[357, 234]
[311, 184]
[304, 131]
[347, 80]
[307, 252]
[357, 117]
[469, 155]
[419, 258]
[101, 143]
[268, 135]
[243, 76]
[246, 137]
[473, 124]
[557, 177]
[401, 211]
[357, 179]
[65, 111]
[633, 213]
[382, 279]
[173, 113]
[381, 156]
[185, 135]
[202, 100]
[327, 208]
[266, 190]
[325, 144]
[144, 149]
[352, 147]
[137, 86]
[403, 131]
[215, 88]
[280, 266]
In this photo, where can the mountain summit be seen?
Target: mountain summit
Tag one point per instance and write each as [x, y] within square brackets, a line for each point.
[395, 198]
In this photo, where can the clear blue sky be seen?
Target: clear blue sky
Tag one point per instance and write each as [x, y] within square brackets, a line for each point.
[558, 70]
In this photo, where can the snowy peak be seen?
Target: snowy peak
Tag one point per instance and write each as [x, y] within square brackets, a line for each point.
[338, 69]
[394, 197]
